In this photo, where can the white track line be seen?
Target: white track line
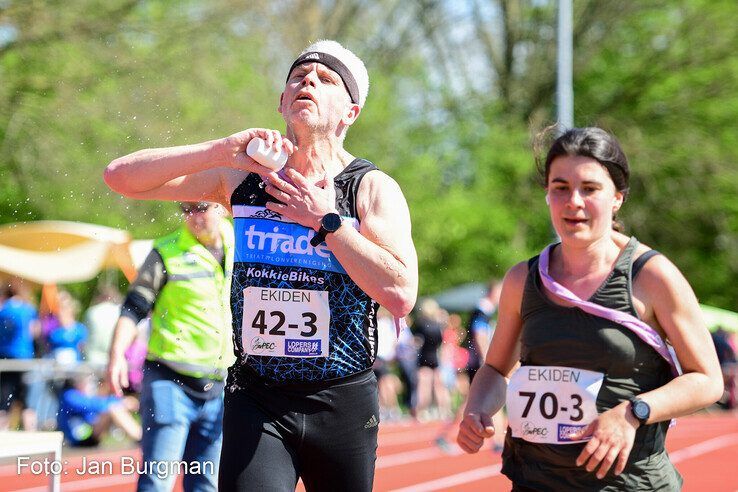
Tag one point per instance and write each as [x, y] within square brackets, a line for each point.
[703, 448]
[491, 471]
[388, 461]
[399, 459]
[421, 435]
[104, 455]
[89, 483]
[453, 480]
[408, 457]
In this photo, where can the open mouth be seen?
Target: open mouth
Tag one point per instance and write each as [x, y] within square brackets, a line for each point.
[574, 221]
[305, 97]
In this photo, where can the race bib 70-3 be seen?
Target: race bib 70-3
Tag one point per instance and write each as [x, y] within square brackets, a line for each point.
[547, 404]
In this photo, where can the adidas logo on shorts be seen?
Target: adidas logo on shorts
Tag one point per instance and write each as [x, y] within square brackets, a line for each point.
[372, 422]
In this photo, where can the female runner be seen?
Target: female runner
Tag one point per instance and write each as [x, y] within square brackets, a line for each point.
[587, 319]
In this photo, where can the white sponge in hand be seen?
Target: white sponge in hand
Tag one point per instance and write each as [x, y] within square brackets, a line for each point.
[266, 156]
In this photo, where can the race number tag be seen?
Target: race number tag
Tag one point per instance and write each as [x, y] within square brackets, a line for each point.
[285, 322]
[546, 404]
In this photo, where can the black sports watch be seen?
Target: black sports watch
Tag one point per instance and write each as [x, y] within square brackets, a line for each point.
[640, 410]
[329, 223]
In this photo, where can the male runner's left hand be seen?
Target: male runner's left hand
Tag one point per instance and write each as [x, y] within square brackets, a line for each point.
[302, 201]
[613, 433]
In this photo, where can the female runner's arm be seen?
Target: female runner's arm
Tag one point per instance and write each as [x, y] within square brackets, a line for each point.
[487, 392]
[669, 303]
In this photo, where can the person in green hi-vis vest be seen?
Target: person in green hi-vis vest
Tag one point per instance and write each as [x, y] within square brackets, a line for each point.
[184, 284]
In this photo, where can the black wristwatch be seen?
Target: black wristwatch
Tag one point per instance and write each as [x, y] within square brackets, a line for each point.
[329, 223]
[640, 410]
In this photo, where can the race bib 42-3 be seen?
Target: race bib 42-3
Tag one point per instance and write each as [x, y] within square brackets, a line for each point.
[547, 404]
[285, 322]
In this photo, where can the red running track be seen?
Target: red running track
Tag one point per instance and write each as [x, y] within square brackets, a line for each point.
[704, 449]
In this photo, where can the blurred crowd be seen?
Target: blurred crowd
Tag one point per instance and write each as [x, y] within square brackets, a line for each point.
[53, 360]
[52, 365]
[425, 372]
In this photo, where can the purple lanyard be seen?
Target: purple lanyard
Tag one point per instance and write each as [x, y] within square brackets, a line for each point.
[641, 329]
[400, 324]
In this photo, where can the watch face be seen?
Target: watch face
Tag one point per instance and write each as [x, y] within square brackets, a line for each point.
[331, 222]
[641, 410]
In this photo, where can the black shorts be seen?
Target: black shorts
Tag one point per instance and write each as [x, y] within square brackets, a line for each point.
[325, 435]
[428, 359]
[12, 388]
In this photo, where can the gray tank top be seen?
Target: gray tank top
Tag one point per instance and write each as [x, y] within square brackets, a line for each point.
[554, 335]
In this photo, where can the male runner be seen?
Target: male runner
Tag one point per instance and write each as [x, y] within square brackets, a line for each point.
[318, 246]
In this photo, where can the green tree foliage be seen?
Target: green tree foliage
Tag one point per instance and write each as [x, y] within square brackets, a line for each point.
[458, 90]
[665, 82]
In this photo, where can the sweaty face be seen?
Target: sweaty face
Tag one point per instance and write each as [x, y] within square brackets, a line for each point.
[582, 198]
[314, 97]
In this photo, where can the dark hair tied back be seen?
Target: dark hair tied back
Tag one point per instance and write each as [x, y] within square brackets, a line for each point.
[587, 142]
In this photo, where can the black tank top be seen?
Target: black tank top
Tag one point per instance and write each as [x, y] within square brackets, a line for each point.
[554, 335]
[274, 255]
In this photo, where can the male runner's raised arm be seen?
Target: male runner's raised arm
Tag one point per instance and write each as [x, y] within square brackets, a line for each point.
[207, 171]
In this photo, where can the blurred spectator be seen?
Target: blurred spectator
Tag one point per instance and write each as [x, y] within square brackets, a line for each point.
[725, 352]
[454, 358]
[727, 358]
[481, 328]
[18, 327]
[388, 383]
[85, 416]
[406, 354]
[64, 340]
[67, 338]
[135, 356]
[478, 337]
[429, 326]
[100, 319]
